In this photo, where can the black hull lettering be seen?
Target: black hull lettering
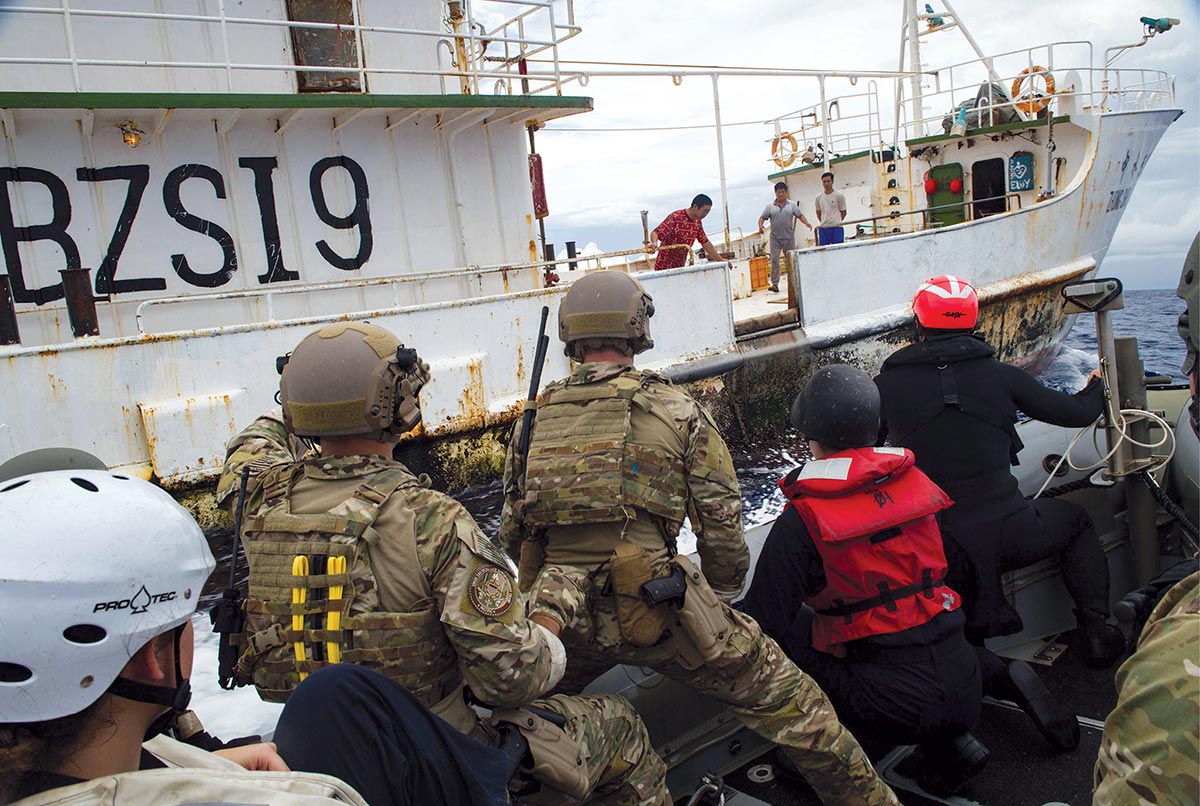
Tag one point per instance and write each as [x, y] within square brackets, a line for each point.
[264, 191]
[138, 176]
[359, 217]
[176, 210]
[11, 235]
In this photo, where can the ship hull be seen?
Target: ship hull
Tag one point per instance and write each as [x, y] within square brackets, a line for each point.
[164, 404]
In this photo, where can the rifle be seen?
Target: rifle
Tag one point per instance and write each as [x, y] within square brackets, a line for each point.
[227, 617]
[535, 381]
[532, 556]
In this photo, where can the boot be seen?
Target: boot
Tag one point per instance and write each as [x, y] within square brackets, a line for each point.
[1104, 643]
[1022, 685]
[948, 765]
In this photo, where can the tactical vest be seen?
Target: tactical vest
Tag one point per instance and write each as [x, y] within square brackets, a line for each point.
[870, 514]
[409, 647]
[583, 466]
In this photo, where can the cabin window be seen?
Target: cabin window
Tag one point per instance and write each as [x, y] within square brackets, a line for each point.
[325, 47]
[988, 186]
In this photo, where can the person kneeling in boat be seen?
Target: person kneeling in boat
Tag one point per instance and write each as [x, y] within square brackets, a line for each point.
[859, 557]
[420, 594]
[949, 400]
[101, 578]
[617, 458]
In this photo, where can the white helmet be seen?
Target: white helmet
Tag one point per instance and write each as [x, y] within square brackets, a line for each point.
[95, 564]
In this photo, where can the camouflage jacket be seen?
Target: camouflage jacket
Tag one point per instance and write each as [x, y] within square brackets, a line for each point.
[426, 551]
[1150, 751]
[263, 443]
[713, 502]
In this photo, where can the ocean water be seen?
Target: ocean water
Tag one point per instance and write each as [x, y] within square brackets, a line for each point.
[1149, 315]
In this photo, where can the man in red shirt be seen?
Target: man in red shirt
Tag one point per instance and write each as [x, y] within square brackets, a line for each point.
[680, 229]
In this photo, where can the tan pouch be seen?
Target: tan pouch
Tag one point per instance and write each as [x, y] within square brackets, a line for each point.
[642, 624]
[529, 564]
[702, 616]
[558, 760]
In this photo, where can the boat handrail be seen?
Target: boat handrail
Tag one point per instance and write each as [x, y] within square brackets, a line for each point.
[967, 203]
[472, 38]
[599, 260]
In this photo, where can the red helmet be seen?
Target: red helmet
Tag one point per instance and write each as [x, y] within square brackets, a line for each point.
[946, 303]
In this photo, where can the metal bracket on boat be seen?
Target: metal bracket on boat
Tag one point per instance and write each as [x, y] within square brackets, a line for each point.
[1093, 296]
[710, 784]
[1101, 478]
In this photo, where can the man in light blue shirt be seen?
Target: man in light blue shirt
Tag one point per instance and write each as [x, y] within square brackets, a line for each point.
[782, 214]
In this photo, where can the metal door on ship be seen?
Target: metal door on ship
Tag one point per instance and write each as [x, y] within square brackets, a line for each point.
[941, 215]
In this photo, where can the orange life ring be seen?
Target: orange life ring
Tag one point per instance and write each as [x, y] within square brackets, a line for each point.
[783, 150]
[1032, 104]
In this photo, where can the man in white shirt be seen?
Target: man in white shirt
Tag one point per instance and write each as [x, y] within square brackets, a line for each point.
[831, 212]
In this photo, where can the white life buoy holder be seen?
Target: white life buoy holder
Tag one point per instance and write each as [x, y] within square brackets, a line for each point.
[784, 149]
[1034, 102]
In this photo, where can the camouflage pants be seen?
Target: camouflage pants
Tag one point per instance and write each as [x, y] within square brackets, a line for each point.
[754, 678]
[622, 769]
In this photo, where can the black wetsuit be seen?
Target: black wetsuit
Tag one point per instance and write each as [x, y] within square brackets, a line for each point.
[966, 447]
[917, 686]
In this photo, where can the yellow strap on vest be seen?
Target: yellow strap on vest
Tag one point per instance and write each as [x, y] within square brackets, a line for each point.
[299, 596]
[333, 620]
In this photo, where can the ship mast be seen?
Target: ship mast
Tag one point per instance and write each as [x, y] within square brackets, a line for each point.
[910, 46]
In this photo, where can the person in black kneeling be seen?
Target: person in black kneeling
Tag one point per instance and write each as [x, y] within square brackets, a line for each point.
[851, 583]
[949, 400]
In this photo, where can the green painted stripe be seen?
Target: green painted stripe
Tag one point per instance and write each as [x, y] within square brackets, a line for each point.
[231, 100]
[819, 166]
[1019, 125]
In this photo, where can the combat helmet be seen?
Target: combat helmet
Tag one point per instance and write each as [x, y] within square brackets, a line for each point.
[839, 407]
[606, 309]
[351, 379]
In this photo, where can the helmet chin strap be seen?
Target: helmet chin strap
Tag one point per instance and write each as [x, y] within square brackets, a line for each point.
[174, 698]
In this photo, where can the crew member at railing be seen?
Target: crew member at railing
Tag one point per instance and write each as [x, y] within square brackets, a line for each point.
[831, 212]
[678, 231]
[782, 214]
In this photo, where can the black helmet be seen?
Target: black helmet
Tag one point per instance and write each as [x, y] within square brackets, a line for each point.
[839, 408]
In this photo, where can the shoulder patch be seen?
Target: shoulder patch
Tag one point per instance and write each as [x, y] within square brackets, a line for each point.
[491, 590]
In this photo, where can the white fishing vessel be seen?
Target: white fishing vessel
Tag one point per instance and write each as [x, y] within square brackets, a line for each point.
[187, 193]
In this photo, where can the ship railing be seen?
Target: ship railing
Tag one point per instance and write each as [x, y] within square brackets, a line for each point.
[622, 260]
[871, 227]
[551, 22]
[807, 124]
[1072, 60]
[1133, 89]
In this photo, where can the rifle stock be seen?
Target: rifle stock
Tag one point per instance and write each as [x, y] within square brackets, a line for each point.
[535, 381]
[227, 617]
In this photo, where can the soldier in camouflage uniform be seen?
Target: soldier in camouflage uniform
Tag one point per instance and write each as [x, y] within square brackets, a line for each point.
[353, 559]
[617, 458]
[261, 445]
[1150, 752]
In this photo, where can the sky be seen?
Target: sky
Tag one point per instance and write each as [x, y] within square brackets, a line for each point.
[598, 181]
